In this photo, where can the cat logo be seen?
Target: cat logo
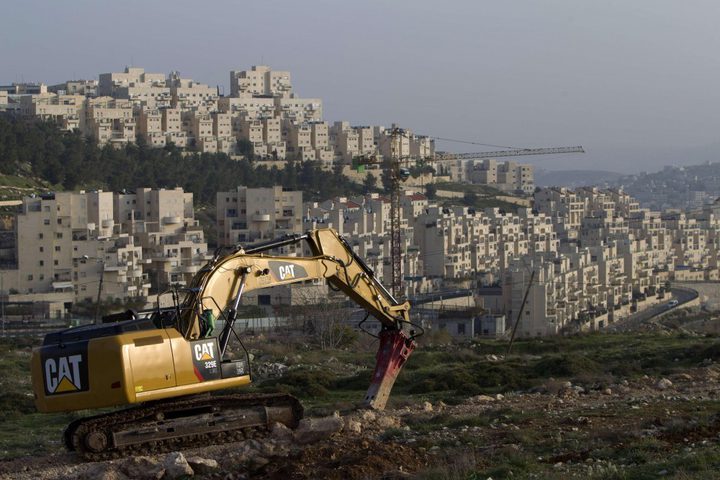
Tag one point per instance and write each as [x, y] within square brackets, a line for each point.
[287, 272]
[204, 351]
[62, 374]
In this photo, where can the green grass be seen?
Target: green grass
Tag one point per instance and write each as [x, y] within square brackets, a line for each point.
[451, 374]
[14, 187]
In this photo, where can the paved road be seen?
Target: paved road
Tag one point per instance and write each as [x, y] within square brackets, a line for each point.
[682, 295]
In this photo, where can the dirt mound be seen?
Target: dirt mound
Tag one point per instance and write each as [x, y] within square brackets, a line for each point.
[347, 458]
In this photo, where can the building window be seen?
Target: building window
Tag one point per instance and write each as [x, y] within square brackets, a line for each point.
[57, 248]
[30, 277]
[40, 236]
[58, 235]
[46, 221]
[42, 249]
[42, 263]
[56, 262]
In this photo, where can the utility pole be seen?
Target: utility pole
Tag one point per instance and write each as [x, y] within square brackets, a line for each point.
[97, 304]
[2, 303]
[522, 307]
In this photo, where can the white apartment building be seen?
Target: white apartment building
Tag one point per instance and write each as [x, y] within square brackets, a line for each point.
[249, 215]
[109, 120]
[260, 80]
[66, 242]
[163, 223]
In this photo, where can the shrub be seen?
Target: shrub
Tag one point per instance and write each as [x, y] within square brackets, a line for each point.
[567, 365]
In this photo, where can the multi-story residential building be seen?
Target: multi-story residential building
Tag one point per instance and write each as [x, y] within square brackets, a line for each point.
[64, 110]
[134, 83]
[248, 215]
[84, 88]
[67, 243]
[108, 120]
[260, 80]
[187, 94]
[163, 223]
[73, 247]
[150, 127]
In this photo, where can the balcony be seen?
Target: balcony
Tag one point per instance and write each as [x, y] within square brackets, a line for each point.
[191, 269]
[261, 217]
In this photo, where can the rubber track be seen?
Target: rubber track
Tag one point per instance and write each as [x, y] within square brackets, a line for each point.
[135, 416]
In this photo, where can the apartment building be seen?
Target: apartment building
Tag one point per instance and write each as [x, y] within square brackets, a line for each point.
[260, 80]
[163, 223]
[123, 84]
[109, 120]
[248, 215]
[84, 88]
[64, 110]
[72, 247]
[67, 242]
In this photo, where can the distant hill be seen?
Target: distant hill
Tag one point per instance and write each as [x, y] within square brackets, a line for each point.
[574, 178]
[675, 187]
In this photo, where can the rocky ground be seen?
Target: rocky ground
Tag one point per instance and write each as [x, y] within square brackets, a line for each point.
[644, 427]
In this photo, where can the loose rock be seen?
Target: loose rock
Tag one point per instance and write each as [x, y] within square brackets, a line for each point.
[315, 429]
[102, 471]
[353, 426]
[176, 466]
[281, 432]
[663, 384]
[143, 468]
[481, 399]
[203, 465]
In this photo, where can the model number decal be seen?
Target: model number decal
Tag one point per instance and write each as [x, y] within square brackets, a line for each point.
[204, 356]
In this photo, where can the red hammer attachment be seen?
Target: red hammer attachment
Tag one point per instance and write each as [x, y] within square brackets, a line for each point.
[395, 348]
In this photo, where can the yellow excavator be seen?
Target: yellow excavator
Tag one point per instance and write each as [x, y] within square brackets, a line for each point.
[164, 362]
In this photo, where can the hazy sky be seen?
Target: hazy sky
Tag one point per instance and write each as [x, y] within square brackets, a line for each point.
[634, 81]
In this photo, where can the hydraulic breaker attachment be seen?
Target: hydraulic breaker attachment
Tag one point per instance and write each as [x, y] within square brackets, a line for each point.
[395, 348]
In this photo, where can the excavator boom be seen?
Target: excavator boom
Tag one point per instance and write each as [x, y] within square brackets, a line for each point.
[226, 278]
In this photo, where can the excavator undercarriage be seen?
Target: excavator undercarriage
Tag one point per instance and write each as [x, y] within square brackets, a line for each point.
[187, 422]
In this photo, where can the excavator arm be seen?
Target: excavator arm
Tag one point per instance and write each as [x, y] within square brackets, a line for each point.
[219, 287]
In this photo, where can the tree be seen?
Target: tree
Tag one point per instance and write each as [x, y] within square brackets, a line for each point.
[369, 183]
[431, 191]
[470, 198]
[246, 148]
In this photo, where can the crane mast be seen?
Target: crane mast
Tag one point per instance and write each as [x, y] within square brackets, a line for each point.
[396, 212]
